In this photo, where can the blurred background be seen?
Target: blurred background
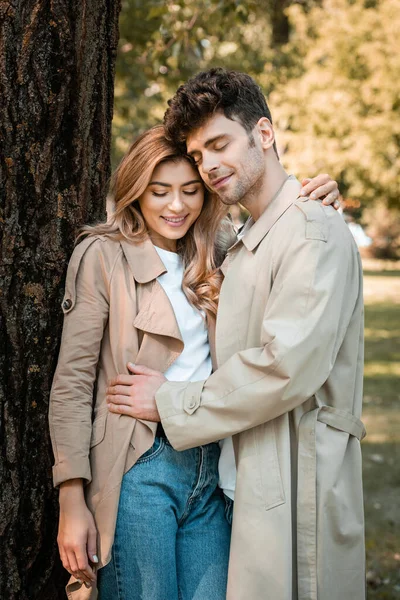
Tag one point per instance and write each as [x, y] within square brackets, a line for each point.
[331, 72]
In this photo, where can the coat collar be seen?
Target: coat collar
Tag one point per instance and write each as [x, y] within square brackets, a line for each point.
[143, 260]
[254, 231]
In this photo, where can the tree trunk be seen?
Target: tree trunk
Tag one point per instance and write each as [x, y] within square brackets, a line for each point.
[56, 99]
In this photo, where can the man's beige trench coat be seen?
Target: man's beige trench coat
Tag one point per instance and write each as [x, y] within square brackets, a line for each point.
[115, 311]
[289, 344]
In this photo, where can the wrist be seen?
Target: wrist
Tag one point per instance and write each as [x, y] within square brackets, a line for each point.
[71, 489]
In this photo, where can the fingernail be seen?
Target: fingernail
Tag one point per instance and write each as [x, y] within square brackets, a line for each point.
[87, 585]
[95, 558]
[302, 193]
[313, 196]
[131, 364]
[79, 581]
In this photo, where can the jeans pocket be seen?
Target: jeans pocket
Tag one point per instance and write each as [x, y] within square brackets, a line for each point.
[156, 449]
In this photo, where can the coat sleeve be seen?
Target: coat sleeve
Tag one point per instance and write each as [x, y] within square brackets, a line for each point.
[85, 307]
[314, 292]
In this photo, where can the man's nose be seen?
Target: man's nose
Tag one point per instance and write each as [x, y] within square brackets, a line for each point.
[209, 163]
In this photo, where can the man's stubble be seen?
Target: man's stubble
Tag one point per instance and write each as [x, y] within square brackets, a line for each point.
[249, 178]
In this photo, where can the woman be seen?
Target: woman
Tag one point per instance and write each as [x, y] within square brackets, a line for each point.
[143, 288]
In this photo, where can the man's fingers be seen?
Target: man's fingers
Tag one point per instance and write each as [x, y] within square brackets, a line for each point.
[119, 400]
[118, 390]
[142, 370]
[121, 379]
[121, 409]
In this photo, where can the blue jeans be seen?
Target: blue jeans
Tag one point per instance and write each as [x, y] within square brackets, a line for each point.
[172, 537]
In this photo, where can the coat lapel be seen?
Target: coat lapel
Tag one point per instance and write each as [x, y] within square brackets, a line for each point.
[160, 338]
[155, 322]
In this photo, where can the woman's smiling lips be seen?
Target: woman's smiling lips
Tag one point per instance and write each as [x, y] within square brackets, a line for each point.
[175, 221]
[220, 182]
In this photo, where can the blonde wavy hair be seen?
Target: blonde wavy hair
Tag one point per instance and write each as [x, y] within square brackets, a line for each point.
[202, 248]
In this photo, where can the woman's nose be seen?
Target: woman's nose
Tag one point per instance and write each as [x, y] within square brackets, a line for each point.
[176, 203]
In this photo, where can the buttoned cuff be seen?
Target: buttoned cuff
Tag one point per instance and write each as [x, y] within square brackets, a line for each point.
[174, 398]
[64, 471]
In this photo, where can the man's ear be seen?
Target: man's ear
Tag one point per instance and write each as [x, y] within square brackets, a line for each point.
[266, 133]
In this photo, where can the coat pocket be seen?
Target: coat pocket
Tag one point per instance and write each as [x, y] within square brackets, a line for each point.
[269, 468]
[98, 428]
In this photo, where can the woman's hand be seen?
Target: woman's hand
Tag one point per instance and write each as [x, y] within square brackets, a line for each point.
[77, 535]
[321, 187]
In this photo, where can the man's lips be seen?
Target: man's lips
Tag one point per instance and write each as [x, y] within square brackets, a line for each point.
[175, 221]
[221, 181]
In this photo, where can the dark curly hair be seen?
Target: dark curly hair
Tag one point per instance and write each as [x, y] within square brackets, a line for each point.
[234, 94]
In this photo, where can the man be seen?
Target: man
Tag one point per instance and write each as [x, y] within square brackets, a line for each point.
[289, 344]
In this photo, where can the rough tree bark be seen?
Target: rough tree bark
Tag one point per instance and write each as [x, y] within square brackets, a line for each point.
[56, 97]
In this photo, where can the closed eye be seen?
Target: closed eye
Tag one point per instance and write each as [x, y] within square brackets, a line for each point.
[190, 193]
[159, 194]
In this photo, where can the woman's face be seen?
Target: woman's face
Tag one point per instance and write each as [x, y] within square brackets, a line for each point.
[171, 202]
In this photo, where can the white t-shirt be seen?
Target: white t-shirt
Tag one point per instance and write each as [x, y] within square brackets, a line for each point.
[194, 363]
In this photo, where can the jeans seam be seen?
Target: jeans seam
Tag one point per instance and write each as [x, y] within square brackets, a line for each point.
[116, 571]
[194, 494]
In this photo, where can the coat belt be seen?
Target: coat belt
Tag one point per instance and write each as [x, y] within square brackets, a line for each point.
[307, 490]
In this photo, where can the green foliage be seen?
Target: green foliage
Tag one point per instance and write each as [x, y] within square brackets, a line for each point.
[330, 69]
[383, 226]
[342, 112]
[164, 43]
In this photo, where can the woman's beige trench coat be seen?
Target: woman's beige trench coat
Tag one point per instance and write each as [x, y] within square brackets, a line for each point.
[289, 345]
[115, 311]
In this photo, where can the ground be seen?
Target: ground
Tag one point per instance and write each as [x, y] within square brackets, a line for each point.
[381, 415]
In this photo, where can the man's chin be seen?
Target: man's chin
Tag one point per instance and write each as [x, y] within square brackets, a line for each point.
[227, 199]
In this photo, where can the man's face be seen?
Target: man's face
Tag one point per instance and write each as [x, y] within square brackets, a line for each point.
[230, 161]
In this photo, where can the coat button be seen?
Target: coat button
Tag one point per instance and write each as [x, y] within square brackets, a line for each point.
[191, 403]
[67, 304]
